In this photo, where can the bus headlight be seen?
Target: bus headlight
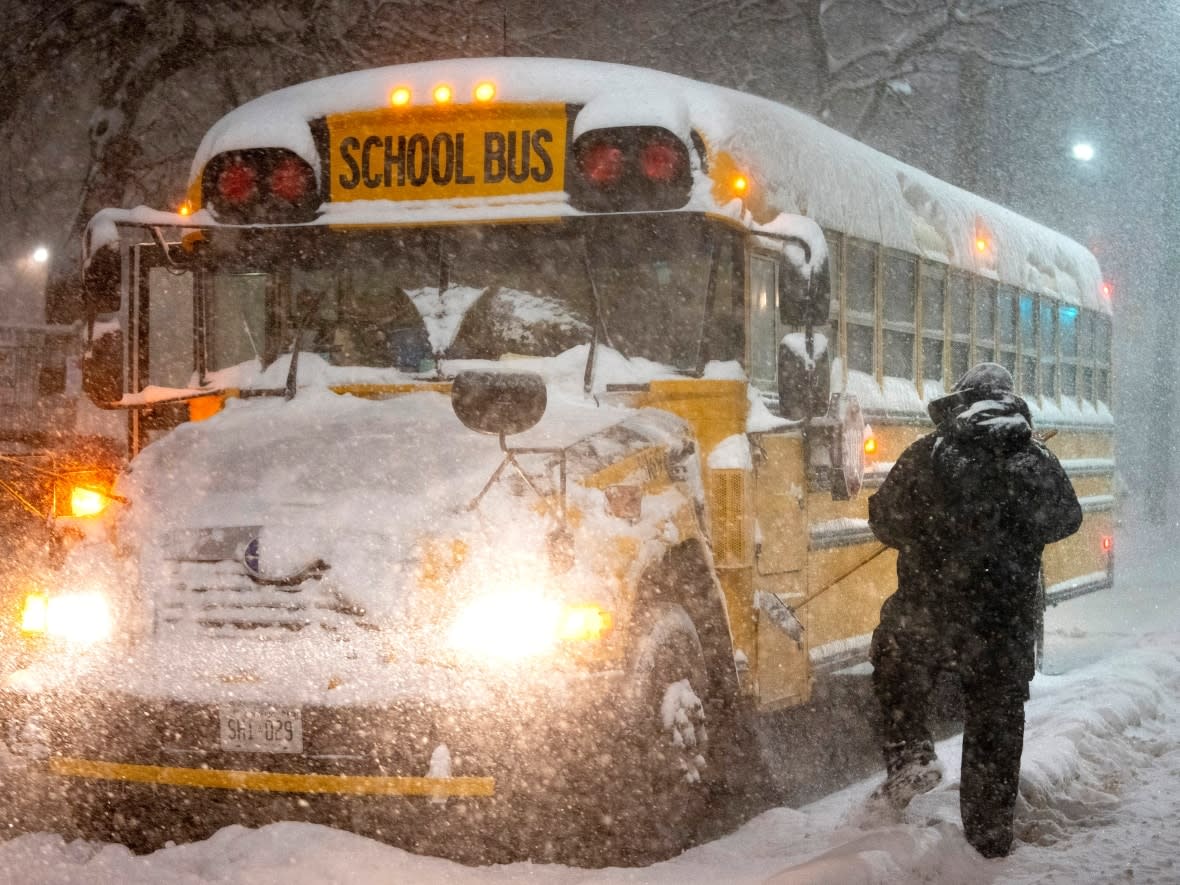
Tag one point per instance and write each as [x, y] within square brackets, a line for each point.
[515, 625]
[83, 617]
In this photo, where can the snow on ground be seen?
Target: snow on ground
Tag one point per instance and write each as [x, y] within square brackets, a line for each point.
[1100, 790]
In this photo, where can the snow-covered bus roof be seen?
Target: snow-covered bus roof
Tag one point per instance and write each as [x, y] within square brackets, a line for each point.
[795, 164]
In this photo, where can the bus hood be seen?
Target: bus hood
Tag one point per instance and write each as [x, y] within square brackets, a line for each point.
[347, 487]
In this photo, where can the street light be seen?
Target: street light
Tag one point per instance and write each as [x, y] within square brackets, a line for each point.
[1083, 152]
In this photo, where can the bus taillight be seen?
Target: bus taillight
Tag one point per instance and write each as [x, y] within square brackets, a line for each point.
[661, 160]
[237, 183]
[291, 179]
[260, 185]
[602, 163]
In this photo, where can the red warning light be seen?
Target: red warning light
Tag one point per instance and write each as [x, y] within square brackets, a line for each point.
[1107, 543]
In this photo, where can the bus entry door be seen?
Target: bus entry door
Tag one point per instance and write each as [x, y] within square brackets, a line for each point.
[782, 671]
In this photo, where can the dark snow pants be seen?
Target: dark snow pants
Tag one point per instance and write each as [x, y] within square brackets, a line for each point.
[909, 651]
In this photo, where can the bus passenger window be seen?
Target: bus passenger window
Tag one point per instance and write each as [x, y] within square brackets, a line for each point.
[1102, 359]
[1028, 345]
[1067, 320]
[901, 284]
[959, 294]
[985, 321]
[933, 317]
[860, 309]
[1086, 355]
[1048, 328]
[763, 313]
[1007, 331]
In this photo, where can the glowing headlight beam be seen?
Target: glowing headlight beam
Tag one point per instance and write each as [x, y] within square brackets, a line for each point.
[512, 625]
[83, 618]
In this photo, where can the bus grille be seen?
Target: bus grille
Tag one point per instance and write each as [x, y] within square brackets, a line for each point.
[221, 599]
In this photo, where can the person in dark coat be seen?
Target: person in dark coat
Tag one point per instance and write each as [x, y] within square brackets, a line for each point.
[969, 508]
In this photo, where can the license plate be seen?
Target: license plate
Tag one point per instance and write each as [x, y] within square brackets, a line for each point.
[261, 729]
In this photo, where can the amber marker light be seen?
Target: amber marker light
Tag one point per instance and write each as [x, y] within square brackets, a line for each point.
[584, 623]
[870, 445]
[740, 184]
[485, 91]
[980, 244]
[85, 501]
[186, 208]
[34, 616]
[400, 97]
[1107, 543]
[442, 93]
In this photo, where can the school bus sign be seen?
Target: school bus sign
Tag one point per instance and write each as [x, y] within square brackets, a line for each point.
[439, 155]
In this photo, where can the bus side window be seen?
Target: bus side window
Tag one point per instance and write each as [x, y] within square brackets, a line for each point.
[985, 321]
[1067, 320]
[1086, 355]
[861, 301]
[1029, 332]
[763, 316]
[933, 319]
[1048, 330]
[1007, 330]
[901, 287]
[959, 292]
[1102, 359]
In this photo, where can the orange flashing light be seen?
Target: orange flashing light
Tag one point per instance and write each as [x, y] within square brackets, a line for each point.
[34, 616]
[442, 93]
[582, 623]
[86, 501]
[400, 97]
[485, 91]
[870, 445]
[740, 184]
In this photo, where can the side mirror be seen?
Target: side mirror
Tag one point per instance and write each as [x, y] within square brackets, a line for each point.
[500, 403]
[804, 376]
[836, 457]
[102, 365]
[100, 282]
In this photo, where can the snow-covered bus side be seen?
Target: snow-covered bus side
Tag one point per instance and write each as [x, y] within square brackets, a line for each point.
[500, 433]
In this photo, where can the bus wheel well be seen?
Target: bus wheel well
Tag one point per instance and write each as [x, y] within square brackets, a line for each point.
[684, 576]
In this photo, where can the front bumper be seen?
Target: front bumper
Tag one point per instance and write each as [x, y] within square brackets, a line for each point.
[527, 741]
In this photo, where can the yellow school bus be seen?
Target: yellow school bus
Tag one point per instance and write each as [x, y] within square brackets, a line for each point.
[502, 431]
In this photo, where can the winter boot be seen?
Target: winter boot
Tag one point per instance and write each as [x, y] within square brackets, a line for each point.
[910, 771]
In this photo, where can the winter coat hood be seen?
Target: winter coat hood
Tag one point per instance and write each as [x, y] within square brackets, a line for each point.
[984, 408]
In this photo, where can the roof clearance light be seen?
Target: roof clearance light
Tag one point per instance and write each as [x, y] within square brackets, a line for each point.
[1107, 543]
[1107, 290]
[602, 164]
[485, 91]
[237, 182]
[400, 97]
[660, 161]
[442, 93]
[186, 208]
[290, 179]
[740, 184]
[980, 244]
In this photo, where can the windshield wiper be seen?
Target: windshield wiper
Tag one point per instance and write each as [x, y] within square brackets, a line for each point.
[293, 370]
[598, 322]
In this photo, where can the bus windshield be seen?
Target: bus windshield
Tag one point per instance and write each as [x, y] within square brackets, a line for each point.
[405, 299]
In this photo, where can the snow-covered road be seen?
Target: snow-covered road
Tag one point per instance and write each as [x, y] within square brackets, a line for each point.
[1100, 790]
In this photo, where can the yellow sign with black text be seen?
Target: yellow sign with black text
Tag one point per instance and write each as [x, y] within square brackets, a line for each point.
[441, 154]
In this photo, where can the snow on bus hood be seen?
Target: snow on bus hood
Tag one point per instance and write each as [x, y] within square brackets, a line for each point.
[356, 483]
